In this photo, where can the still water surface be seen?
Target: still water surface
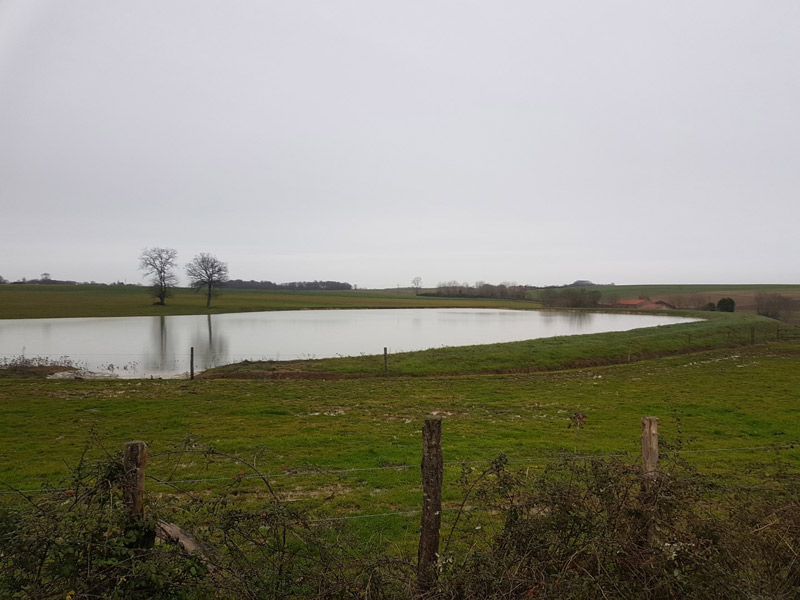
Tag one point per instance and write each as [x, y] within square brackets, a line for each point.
[160, 346]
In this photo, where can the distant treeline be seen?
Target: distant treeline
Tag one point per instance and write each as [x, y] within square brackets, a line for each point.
[44, 281]
[239, 284]
[479, 290]
[47, 281]
[570, 297]
[573, 295]
[776, 306]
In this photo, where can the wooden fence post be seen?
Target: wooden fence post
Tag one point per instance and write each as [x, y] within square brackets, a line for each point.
[650, 446]
[385, 360]
[432, 475]
[649, 473]
[191, 363]
[134, 461]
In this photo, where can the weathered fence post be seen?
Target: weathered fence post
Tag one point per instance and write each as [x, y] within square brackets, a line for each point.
[650, 446]
[650, 472]
[191, 363]
[432, 475]
[134, 461]
[385, 360]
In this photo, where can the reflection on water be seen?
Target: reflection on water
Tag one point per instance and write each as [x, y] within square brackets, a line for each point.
[577, 320]
[210, 349]
[160, 346]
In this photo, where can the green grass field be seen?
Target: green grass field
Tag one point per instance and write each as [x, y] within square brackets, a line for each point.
[341, 439]
[711, 290]
[57, 301]
[54, 301]
[305, 432]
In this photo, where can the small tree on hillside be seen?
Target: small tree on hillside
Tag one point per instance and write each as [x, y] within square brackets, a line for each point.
[207, 272]
[726, 305]
[159, 264]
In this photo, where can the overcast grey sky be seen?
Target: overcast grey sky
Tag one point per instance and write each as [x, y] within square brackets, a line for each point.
[374, 141]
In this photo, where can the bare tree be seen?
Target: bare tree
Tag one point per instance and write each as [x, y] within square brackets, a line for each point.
[416, 282]
[159, 263]
[207, 272]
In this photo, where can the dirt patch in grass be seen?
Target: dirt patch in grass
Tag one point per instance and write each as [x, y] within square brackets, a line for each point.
[323, 492]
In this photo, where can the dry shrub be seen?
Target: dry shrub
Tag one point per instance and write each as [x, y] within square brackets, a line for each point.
[595, 529]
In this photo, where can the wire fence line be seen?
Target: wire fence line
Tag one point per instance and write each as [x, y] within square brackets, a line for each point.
[468, 509]
[310, 470]
[297, 472]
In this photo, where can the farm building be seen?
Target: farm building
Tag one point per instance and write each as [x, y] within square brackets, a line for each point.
[636, 303]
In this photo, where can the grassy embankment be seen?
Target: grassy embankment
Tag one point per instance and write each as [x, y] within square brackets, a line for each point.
[716, 330]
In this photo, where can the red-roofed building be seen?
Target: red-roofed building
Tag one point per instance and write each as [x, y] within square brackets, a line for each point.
[637, 303]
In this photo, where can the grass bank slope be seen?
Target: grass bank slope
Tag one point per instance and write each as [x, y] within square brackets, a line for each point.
[716, 330]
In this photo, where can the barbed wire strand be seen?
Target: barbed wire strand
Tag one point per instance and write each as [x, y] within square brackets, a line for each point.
[309, 471]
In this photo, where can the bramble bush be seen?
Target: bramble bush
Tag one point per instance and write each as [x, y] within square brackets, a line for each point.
[577, 529]
[592, 529]
[79, 543]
